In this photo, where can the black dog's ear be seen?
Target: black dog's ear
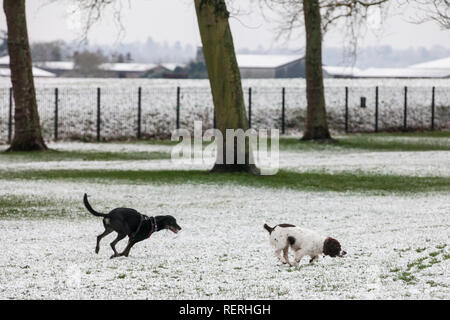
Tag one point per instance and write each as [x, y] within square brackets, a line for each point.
[331, 247]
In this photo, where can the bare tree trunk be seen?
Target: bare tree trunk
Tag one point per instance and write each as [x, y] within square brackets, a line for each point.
[316, 114]
[224, 77]
[27, 130]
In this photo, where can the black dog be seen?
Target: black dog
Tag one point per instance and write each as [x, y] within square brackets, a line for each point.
[129, 222]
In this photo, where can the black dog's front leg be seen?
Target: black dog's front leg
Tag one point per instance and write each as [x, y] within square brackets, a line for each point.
[131, 242]
[120, 236]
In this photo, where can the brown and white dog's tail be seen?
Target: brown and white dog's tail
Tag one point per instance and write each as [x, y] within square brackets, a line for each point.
[269, 229]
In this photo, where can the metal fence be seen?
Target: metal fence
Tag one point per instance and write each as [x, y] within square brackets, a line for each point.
[87, 113]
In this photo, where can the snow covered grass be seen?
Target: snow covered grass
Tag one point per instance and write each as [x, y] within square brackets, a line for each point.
[387, 205]
[397, 244]
[379, 154]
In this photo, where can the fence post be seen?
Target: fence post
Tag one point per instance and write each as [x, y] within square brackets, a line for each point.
[249, 107]
[283, 114]
[346, 109]
[405, 110]
[139, 113]
[56, 114]
[376, 109]
[98, 113]
[214, 118]
[178, 107]
[432, 109]
[10, 115]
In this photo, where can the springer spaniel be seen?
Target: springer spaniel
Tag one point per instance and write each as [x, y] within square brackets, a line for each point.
[304, 242]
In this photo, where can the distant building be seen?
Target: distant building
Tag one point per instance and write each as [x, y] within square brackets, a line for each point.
[126, 70]
[6, 72]
[266, 65]
[440, 67]
[56, 67]
[271, 66]
[400, 73]
[433, 69]
[340, 72]
[112, 70]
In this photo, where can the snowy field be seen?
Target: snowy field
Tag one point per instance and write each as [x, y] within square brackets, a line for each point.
[332, 160]
[77, 106]
[397, 243]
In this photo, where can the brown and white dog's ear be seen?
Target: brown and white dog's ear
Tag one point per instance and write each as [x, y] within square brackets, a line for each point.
[331, 247]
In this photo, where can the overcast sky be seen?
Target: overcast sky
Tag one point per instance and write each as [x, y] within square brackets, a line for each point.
[175, 20]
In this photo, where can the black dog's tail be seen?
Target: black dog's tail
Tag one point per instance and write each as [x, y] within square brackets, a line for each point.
[88, 206]
[268, 228]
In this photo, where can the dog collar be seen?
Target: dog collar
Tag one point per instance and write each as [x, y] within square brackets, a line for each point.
[155, 225]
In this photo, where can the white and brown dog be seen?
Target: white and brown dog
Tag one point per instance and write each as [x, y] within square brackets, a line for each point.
[304, 242]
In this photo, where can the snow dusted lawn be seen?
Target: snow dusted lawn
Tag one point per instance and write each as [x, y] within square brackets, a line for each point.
[398, 244]
[223, 251]
[429, 163]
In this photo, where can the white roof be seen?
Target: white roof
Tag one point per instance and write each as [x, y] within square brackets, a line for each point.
[6, 72]
[4, 60]
[435, 64]
[402, 73]
[341, 71]
[171, 66]
[264, 60]
[55, 65]
[127, 67]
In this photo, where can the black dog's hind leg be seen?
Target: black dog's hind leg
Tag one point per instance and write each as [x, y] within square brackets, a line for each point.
[100, 237]
[120, 236]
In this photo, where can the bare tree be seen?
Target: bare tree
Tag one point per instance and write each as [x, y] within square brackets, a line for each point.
[225, 80]
[223, 73]
[27, 129]
[437, 11]
[87, 64]
[93, 11]
[316, 17]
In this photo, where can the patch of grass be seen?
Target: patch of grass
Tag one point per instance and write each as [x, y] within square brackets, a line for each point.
[32, 207]
[402, 250]
[407, 277]
[436, 284]
[419, 250]
[434, 254]
[416, 263]
[313, 181]
[55, 155]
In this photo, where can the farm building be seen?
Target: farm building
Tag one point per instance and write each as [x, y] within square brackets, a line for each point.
[263, 66]
[127, 70]
[56, 67]
[6, 72]
[340, 72]
[433, 69]
[271, 66]
[112, 70]
[440, 67]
